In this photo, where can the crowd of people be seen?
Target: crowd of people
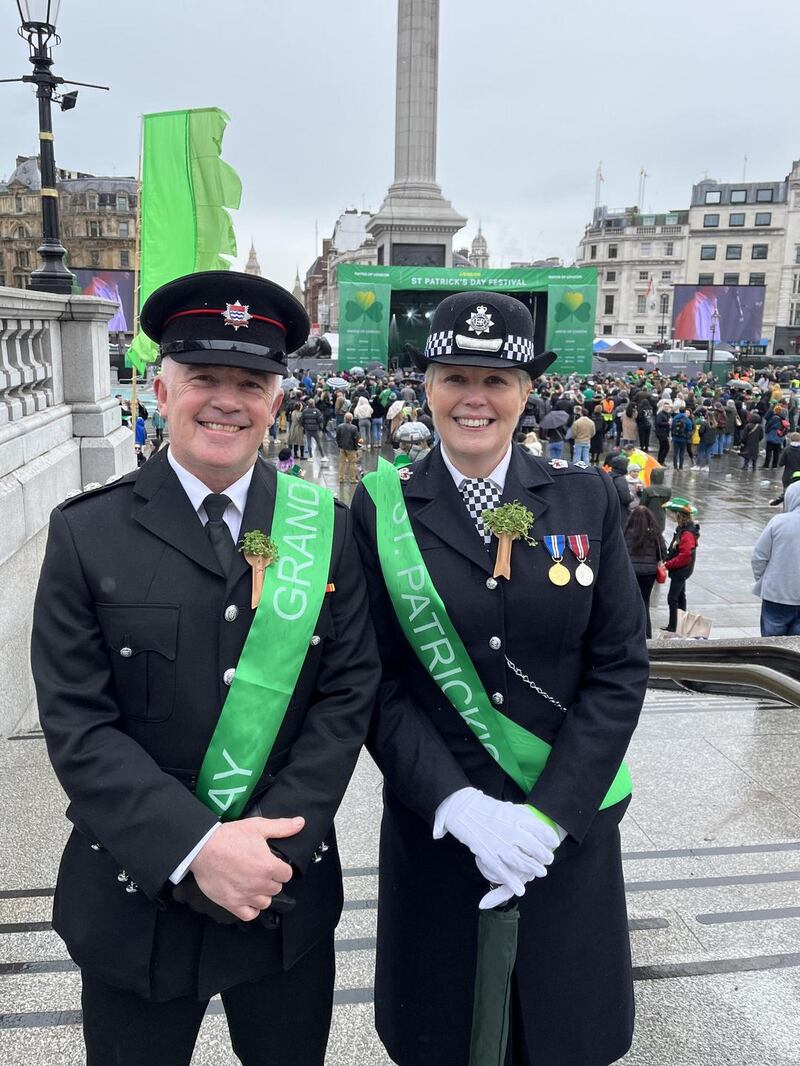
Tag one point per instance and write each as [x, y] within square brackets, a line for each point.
[620, 422]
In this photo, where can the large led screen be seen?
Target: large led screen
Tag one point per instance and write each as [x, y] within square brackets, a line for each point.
[114, 285]
[740, 311]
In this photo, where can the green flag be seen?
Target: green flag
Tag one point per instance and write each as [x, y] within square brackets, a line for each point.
[186, 189]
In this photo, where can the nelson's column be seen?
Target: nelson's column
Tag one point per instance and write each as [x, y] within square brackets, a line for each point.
[415, 224]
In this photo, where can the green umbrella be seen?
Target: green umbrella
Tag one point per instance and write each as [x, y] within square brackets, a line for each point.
[497, 952]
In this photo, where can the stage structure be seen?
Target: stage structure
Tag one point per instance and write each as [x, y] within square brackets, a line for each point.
[383, 310]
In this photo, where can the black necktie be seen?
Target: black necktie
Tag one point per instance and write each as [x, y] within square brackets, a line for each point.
[480, 495]
[217, 530]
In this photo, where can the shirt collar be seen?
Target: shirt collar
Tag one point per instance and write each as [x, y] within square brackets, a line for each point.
[497, 476]
[197, 491]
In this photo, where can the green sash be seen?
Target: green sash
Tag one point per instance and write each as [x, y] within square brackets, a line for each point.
[428, 629]
[275, 649]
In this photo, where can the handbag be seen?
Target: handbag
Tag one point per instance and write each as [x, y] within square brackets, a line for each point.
[661, 570]
[693, 626]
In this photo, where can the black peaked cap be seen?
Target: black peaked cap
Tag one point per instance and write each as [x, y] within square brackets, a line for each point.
[486, 329]
[224, 318]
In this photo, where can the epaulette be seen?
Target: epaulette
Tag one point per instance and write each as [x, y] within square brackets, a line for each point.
[562, 466]
[94, 488]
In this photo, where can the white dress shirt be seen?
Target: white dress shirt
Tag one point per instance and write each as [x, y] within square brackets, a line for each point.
[497, 476]
[197, 492]
[232, 516]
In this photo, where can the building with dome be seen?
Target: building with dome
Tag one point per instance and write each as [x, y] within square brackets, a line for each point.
[479, 252]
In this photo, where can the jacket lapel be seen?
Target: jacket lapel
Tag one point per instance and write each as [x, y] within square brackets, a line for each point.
[526, 473]
[167, 512]
[434, 501]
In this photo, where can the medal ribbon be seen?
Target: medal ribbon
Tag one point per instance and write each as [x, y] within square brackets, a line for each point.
[421, 612]
[268, 669]
[554, 542]
[579, 546]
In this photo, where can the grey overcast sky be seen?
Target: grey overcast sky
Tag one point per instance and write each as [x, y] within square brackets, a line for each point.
[532, 95]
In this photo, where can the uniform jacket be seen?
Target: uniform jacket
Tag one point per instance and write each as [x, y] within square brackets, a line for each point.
[130, 567]
[583, 646]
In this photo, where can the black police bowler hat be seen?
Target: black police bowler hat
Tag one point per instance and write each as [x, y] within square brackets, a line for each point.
[486, 329]
[223, 318]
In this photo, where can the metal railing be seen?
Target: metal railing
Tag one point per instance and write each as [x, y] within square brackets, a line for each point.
[753, 669]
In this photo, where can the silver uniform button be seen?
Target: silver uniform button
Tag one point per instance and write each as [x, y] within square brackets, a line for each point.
[231, 613]
[491, 583]
[228, 676]
[495, 643]
[126, 652]
[132, 887]
[123, 876]
[497, 697]
[96, 847]
[315, 640]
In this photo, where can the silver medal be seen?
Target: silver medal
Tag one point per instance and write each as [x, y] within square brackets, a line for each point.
[584, 574]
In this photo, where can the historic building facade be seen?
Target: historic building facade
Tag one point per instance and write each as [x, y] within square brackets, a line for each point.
[97, 221]
[638, 258]
[733, 233]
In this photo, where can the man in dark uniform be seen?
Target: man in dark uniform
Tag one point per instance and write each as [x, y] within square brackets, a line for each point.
[158, 686]
[558, 650]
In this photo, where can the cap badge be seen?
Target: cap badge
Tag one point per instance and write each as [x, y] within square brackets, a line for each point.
[237, 315]
[479, 321]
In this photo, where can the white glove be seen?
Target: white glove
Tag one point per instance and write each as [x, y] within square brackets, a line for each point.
[495, 896]
[509, 842]
[506, 881]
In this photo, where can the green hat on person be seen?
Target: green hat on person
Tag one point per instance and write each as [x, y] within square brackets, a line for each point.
[677, 503]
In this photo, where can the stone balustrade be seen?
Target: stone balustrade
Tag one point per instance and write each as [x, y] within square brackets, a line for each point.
[60, 429]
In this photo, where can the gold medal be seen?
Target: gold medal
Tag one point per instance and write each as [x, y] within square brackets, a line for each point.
[558, 574]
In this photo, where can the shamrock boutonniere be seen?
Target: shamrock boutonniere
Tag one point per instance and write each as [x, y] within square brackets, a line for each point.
[510, 522]
[260, 551]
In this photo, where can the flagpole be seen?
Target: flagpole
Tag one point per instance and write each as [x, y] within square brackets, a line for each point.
[597, 183]
[137, 280]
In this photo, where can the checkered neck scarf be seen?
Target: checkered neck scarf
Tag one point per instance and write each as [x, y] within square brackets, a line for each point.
[480, 494]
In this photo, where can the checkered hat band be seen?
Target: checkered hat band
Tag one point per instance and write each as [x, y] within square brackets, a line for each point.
[439, 344]
[520, 349]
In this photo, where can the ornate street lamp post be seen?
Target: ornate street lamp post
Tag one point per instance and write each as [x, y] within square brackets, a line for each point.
[38, 26]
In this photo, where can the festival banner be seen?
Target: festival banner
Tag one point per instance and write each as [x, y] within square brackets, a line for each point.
[364, 328]
[363, 321]
[186, 189]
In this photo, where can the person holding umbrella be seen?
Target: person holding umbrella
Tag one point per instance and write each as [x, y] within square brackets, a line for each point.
[553, 425]
[511, 633]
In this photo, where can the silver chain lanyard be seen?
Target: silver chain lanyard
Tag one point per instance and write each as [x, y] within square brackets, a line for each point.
[532, 684]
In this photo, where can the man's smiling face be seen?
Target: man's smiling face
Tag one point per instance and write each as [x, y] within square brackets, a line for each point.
[217, 416]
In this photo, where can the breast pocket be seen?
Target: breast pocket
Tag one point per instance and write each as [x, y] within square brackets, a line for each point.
[142, 640]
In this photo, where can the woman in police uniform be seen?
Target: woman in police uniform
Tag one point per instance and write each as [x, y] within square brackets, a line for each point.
[559, 649]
